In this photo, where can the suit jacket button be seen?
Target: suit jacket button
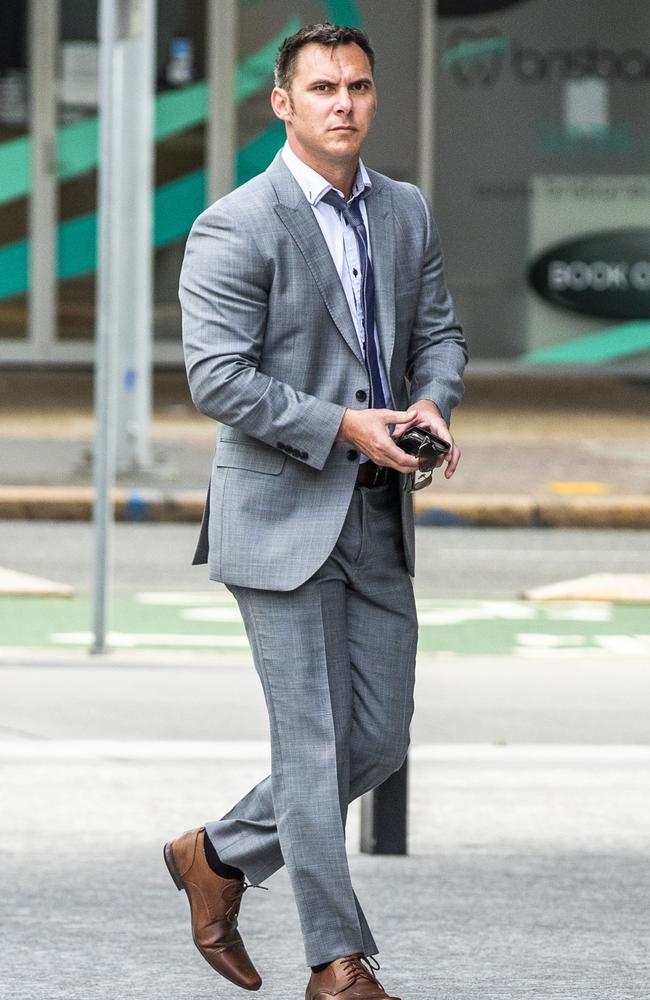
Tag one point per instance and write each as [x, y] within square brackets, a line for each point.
[353, 455]
[304, 454]
[281, 446]
[361, 395]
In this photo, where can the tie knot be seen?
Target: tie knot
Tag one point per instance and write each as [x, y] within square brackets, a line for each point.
[349, 210]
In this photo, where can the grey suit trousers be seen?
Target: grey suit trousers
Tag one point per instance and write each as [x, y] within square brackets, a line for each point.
[336, 658]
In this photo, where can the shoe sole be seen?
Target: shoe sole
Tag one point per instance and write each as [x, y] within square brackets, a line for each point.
[168, 855]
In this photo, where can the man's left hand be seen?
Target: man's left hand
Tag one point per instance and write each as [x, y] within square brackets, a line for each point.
[430, 418]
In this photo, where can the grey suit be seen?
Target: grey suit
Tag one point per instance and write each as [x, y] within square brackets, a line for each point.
[320, 568]
[272, 354]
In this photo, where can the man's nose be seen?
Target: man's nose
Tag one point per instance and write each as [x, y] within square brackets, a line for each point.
[343, 100]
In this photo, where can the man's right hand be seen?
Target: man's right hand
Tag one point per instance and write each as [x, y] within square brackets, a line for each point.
[368, 431]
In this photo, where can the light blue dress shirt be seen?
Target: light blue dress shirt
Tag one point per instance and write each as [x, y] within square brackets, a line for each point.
[341, 241]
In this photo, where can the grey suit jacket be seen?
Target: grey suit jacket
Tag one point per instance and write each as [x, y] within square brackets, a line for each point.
[272, 354]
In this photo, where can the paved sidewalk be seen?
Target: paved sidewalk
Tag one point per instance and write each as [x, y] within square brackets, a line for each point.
[527, 879]
[549, 452]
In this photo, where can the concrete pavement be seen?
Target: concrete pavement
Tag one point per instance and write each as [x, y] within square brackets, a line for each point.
[527, 877]
[560, 453]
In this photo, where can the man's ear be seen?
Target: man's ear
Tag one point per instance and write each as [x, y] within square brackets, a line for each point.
[281, 103]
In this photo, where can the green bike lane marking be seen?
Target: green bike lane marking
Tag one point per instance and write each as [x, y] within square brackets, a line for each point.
[211, 622]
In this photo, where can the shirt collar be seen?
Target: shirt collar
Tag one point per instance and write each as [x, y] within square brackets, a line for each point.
[313, 185]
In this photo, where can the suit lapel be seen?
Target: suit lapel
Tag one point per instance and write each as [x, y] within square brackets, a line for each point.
[307, 234]
[298, 217]
[379, 205]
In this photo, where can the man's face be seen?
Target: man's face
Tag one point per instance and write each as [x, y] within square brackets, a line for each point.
[330, 105]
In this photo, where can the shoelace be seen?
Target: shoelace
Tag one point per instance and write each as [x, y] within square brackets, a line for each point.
[235, 895]
[362, 967]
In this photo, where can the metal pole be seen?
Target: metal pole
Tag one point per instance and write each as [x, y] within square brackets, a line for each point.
[124, 260]
[427, 98]
[221, 133]
[132, 223]
[43, 204]
[384, 814]
[110, 90]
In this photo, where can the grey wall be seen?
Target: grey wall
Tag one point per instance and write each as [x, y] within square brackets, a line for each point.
[489, 143]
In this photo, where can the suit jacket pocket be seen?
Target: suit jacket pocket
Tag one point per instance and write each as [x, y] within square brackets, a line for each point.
[252, 457]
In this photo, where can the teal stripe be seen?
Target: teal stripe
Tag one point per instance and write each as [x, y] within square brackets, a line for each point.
[13, 269]
[76, 150]
[477, 49]
[77, 240]
[344, 12]
[257, 154]
[596, 348]
[77, 144]
[175, 111]
[176, 206]
[338, 11]
[15, 165]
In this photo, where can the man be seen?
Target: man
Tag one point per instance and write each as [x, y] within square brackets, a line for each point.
[317, 329]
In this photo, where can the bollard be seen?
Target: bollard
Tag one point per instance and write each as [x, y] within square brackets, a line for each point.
[383, 815]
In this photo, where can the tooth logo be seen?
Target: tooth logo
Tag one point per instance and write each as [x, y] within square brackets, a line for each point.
[476, 57]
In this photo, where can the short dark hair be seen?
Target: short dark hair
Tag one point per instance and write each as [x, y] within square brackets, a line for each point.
[327, 34]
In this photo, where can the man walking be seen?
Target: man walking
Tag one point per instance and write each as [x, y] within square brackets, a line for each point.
[317, 329]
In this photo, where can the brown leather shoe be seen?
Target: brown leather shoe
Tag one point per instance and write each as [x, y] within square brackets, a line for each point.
[350, 978]
[214, 906]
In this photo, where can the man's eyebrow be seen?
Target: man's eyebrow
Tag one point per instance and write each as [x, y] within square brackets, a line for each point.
[317, 82]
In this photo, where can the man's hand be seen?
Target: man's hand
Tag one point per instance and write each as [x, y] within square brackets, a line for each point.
[368, 431]
[429, 417]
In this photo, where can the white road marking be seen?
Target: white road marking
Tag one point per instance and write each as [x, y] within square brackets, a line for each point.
[184, 598]
[479, 611]
[219, 609]
[129, 640]
[219, 614]
[546, 641]
[578, 612]
[531, 644]
[626, 645]
[222, 607]
[16, 584]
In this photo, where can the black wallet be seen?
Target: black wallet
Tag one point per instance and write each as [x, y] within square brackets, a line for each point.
[427, 448]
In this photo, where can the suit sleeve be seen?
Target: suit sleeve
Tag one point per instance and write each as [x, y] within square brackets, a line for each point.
[437, 350]
[224, 292]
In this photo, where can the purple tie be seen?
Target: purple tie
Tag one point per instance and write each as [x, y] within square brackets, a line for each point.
[351, 212]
